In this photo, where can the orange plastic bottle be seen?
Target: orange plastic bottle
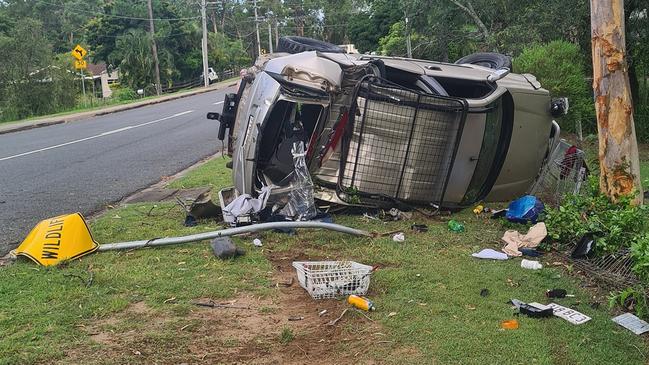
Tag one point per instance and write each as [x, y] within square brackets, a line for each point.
[511, 324]
[361, 303]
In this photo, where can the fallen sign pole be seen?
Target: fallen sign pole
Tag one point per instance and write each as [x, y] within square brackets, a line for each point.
[68, 237]
[231, 232]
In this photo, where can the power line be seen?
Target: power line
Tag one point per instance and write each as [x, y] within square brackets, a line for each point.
[99, 13]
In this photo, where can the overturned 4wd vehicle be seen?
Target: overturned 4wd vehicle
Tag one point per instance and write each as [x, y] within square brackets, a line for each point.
[380, 130]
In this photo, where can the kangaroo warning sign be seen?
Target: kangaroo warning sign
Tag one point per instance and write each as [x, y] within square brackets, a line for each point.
[57, 239]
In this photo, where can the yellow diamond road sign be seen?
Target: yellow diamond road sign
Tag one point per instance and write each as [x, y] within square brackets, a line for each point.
[80, 64]
[79, 52]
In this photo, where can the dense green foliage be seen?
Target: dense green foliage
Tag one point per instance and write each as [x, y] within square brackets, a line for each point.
[559, 67]
[117, 32]
[616, 225]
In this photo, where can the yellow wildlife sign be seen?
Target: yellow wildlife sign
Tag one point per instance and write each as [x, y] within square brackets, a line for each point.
[80, 64]
[79, 52]
[53, 240]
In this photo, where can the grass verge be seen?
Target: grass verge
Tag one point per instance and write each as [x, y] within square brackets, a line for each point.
[427, 291]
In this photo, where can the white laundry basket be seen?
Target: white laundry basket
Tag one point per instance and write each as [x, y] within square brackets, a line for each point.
[331, 279]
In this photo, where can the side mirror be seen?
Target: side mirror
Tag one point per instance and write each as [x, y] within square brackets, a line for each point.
[213, 116]
[559, 107]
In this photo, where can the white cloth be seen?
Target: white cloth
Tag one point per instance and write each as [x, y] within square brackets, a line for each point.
[490, 254]
[246, 204]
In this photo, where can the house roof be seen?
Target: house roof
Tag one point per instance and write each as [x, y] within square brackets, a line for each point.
[97, 68]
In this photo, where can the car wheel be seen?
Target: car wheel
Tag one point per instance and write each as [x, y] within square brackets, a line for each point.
[487, 59]
[293, 44]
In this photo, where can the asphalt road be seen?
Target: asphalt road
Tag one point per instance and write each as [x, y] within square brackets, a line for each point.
[87, 164]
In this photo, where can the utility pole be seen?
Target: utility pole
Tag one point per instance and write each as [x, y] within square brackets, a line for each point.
[154, 49]
[257, 30]
[276, 33]
[270, 36]
[206, 80]
[618, 148]
[408, 45]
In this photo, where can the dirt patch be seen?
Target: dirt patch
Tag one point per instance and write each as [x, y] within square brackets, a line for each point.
[286, 327]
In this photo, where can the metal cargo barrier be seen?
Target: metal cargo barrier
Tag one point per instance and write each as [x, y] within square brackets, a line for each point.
[401, 143]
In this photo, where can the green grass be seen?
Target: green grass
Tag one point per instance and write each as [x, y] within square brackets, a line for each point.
[644, 173]
[41, 308]
[430, 281]
[213, 174]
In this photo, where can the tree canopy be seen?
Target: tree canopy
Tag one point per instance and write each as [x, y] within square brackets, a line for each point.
[116, 32]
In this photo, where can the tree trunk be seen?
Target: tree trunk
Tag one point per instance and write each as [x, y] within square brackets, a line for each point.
[618, 148]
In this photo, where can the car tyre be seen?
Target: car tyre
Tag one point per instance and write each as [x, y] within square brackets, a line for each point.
[487, 59]
[294, 44]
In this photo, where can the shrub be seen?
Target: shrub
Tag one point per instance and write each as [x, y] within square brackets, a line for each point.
[124, 94]
[616, 225]
[559, 67]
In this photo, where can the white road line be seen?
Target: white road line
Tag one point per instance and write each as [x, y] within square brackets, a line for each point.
[220, 102]
[95, 136]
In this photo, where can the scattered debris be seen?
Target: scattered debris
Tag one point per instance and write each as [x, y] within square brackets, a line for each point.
[334, 321]
[392, 314]
[514, 240]
[532, 311]
[203, 207]
[419, 228]
[484, 292]
[300, 205]
[490, 254]
[399, 237]
[568, 314]
[397, 214]
[532, 265]
[478, 209]
[243, 206]
[530, 252]
[295, 318]
[257, 242]
[558, 293]
[213, 304]
[455, 226]
[632, 323]
[585, 247]
[331, 279]
[510, 324]
[190, 221]
[224, 248]
[286, 284]
[322, 313]
[86, 282]
[524, 209]
[499, 213]
[361, 303]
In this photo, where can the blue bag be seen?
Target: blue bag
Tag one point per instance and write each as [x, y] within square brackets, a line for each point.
[525, 209]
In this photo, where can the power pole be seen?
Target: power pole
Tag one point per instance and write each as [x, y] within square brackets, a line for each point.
[257, 29]
[618, 149]
[270, 36]
[276, 33]
[408, 45]
[154, 50]
[206, 80]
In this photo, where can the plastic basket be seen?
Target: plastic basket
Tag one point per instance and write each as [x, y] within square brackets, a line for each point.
[331, 279]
